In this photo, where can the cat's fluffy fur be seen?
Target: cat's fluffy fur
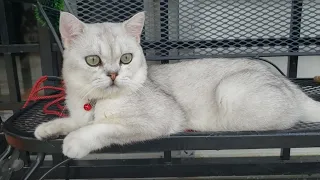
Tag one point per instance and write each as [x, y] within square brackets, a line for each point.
[204, 95]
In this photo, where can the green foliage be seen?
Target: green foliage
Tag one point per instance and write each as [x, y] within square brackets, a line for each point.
[52, 8]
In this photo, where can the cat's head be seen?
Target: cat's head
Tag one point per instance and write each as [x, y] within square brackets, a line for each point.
[103, 59]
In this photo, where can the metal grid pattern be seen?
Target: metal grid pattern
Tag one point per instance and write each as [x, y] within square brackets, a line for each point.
[176, 29]
[28, 121]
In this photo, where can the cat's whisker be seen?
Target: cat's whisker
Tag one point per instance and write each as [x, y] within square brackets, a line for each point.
[90, 90]
[81, 91]
[84, 91]
[136, 86]
[65, 107]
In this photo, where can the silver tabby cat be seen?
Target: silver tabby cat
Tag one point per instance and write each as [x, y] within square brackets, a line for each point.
[104, 66]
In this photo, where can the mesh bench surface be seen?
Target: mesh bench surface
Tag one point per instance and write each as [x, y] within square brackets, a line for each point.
[22, 125]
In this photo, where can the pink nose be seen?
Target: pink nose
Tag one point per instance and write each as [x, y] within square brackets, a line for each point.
[113, 76]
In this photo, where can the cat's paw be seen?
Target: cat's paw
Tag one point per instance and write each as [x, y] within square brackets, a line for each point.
[47, 130]
[75, 147]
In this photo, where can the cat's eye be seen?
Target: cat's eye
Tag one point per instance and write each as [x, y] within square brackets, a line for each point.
[93, 60]
[126, 58]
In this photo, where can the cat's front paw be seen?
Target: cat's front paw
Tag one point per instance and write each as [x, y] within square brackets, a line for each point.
[47, 130]
[75, 147]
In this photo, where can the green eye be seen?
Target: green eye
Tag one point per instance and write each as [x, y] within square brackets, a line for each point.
[93, 60]
[126, 58]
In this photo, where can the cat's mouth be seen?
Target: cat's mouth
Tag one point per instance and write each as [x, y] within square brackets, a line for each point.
[113, 85]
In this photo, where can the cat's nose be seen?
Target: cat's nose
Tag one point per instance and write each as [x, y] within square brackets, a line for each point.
[113, 75]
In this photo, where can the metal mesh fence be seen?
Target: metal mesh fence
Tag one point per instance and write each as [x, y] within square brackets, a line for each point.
[177, 29]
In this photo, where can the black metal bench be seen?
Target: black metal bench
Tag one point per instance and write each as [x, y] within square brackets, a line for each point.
[186, 30]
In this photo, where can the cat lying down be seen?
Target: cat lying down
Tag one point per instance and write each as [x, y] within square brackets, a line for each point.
[114, 98]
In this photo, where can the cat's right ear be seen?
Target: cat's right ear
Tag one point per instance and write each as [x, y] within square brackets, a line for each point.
[70, 27]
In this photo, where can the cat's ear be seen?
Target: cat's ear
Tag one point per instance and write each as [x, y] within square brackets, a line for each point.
[70, 27]
[134, 25]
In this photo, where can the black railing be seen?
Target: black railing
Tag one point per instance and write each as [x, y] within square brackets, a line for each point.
[45, 47]
[51, 57]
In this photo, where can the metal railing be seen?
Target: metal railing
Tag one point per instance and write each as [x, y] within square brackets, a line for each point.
[181, 30]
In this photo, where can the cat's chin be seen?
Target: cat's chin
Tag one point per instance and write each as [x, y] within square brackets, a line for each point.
[110, 92]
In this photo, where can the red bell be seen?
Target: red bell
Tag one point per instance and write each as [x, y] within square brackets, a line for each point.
[87, 107]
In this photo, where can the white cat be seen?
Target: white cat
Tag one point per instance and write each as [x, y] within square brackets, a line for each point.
[105, 70]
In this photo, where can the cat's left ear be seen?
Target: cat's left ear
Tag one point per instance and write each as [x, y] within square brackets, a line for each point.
[134, 25]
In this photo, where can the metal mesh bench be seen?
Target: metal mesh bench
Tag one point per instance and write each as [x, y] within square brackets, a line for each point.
[188, 29]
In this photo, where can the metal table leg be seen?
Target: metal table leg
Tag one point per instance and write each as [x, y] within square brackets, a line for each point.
[34, 166]
[10, 164]
[6, 153]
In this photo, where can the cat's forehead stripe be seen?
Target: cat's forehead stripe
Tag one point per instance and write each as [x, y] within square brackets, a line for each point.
[109, 41]
[105, 48]
[100, 49]
[106, 39]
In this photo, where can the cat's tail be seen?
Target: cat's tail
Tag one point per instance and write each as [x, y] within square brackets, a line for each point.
[311, 111]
